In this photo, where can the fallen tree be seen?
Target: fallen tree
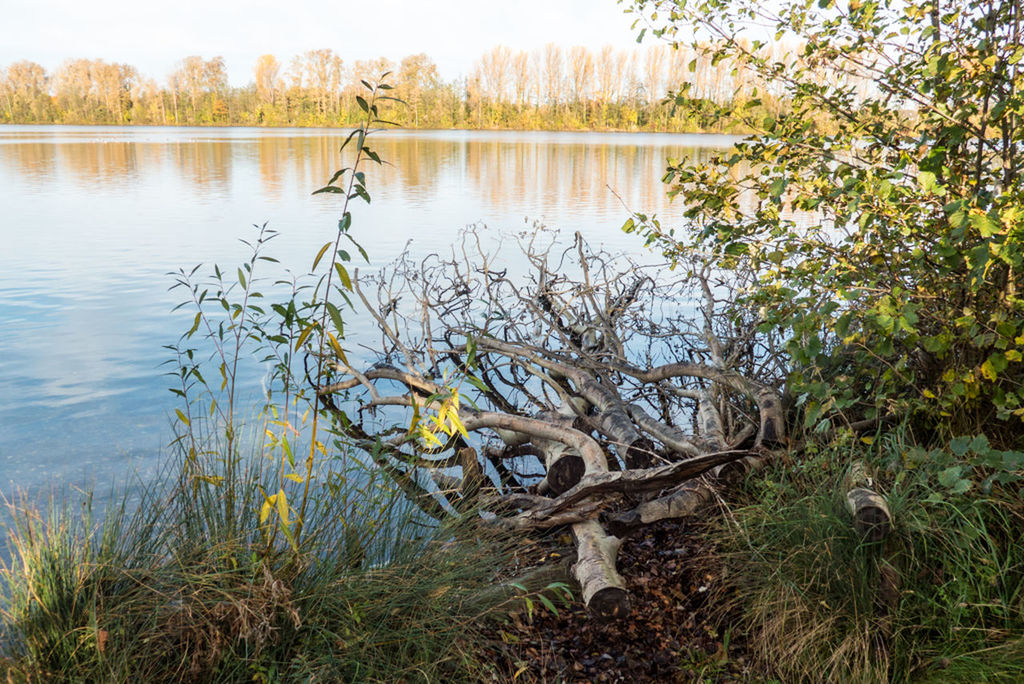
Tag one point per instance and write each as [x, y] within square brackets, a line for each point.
[590, 391]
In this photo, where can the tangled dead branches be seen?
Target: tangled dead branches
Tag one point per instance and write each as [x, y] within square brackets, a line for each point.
[561, 386]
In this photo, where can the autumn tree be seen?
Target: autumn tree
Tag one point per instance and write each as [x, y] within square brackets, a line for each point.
[580, 75]
[323, 71]
[267, 75]
[551, 69]
[25, 88]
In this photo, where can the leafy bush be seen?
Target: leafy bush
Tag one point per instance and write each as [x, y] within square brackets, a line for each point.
[884, 208]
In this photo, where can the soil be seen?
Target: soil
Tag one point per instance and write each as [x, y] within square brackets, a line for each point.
[672, 634]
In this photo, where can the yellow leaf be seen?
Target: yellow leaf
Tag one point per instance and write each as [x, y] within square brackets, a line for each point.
[429, 437]
[457, 424]
[1013, 355]
[868, 440]
[337, 348]
[989, 371]
[268, 506]
[282, 506]
[929, 394]
[295, 478]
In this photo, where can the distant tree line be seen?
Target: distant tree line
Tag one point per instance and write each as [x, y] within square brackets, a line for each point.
[657, 88]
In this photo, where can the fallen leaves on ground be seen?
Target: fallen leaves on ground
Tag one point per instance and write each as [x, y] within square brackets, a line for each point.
[672, 580]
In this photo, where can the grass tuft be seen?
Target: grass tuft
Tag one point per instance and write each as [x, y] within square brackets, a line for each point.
[941, 599]
[172, 590]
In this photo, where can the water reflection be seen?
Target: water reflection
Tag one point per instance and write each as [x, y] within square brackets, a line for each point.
[94, 217]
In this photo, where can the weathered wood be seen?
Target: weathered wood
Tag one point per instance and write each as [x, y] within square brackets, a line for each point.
[563, 465]
[709, 420]
[472, 474]
[869, 509]
[633, 482]
[683, 502]
[602, 587]
[734, 471]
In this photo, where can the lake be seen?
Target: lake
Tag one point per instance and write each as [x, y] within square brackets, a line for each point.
[93, 219]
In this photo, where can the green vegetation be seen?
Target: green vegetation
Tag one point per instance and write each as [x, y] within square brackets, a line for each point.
[941, 598]
[246, 560]
[889, 249]
[884, 226]
[551, 88]
[877, 214]
[171, 592]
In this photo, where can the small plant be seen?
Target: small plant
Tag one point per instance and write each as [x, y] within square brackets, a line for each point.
[232, 323]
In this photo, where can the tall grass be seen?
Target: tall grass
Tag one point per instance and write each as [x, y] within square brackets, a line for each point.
[168, 590]
[940, 600]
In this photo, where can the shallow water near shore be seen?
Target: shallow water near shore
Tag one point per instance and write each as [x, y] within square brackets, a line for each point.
[95, 217]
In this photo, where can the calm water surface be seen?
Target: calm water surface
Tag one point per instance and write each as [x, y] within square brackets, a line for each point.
[92, 219]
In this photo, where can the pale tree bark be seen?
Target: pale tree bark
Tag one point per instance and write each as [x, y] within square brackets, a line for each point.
[589, 392]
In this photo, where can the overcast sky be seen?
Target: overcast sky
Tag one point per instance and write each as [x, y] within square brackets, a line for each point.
[153, 36]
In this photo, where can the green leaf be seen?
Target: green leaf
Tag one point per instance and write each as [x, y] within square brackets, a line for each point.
[548, 604]
[960, 486]
[335, 315]
[984, 225]
[320, 255]
[778, 187]
[959, 445]
[949, 476]
[343, 275]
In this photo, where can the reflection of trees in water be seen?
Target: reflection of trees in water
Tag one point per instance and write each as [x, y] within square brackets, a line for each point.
[85, 163]
[80, 163]
[534, 174]
[560, 175]
[32, 160]
[273, 153]
[204, 163]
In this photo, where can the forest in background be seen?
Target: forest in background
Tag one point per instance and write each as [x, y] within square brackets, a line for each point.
[659, 88]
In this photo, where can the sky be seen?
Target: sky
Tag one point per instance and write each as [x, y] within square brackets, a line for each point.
[153, 36]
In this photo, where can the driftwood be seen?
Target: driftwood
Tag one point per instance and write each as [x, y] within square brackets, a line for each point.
[588, 392]
[870, 512]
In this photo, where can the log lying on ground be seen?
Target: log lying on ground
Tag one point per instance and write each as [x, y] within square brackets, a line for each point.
[628, 482]
[682, 502]
[870, 512]
[537, 580]
[734, 471]
[563, 464]
[603, 589]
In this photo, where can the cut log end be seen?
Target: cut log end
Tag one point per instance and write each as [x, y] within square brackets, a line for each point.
[640, 454]
[565, 473]
[610, 603]
[871, 517]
